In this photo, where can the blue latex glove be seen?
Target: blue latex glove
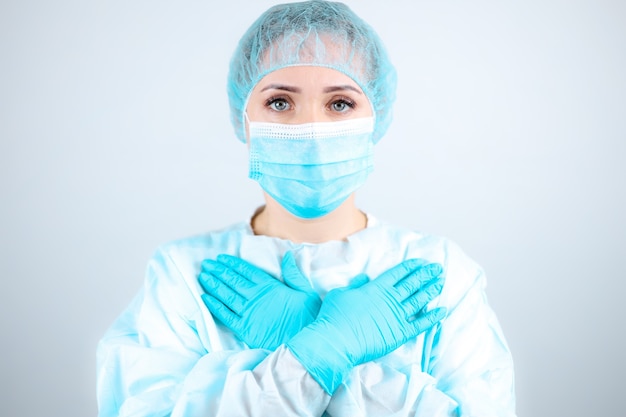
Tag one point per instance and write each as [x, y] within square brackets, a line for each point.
[261, 310]
[361, 323]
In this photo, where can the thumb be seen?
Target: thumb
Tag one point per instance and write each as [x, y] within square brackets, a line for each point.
[358, 281]
[292, 275]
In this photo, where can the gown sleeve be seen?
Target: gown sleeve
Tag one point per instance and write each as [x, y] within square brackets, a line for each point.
[465, 368]
[165, 356]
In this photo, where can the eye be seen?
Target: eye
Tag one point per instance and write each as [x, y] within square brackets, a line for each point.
[342, 105]
[278, 104]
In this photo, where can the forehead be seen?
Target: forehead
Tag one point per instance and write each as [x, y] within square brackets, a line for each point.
[306, 77]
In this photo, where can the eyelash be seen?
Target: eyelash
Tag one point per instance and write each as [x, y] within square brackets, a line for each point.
[345, 100]
[342, 99]
[274, 99]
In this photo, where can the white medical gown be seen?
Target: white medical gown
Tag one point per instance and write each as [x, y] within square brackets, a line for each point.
[166, 355]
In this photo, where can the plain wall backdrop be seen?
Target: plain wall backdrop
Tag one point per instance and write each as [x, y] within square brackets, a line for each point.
[509, 137]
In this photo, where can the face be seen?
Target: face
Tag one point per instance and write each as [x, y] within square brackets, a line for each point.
[307, 94]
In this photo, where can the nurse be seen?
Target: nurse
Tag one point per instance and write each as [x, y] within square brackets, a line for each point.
[311, 307]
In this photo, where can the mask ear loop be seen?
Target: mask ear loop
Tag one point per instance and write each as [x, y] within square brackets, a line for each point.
[247, 127]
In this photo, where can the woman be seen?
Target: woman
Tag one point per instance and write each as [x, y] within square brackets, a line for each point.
[311, 307]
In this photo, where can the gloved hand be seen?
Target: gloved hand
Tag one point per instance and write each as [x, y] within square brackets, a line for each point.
[358, 324]
[261, 310]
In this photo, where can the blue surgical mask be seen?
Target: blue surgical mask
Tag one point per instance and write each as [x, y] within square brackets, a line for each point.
[310, 169]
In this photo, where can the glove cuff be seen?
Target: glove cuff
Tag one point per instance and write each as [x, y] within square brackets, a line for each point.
[320, 357]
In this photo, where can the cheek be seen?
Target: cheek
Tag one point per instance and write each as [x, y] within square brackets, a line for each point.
[366, 108]
[255, 106]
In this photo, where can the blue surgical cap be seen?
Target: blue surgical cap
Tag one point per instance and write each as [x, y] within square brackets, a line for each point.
[319, 33]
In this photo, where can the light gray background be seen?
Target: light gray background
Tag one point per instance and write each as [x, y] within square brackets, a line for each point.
[509, 138]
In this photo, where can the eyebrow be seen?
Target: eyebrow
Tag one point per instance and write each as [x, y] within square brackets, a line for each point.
[342, 87]
[281, 87]
[292, 89]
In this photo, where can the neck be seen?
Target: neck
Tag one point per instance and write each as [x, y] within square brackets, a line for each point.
[273, 220]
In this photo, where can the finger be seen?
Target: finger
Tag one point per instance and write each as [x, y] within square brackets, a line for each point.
[221, 312]
[415, 303]
[234, 280]
[223, 292]
[243, 268]
[395, 274]
[428, 320]
[292, 275]
[417, 279]
[358, 281]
